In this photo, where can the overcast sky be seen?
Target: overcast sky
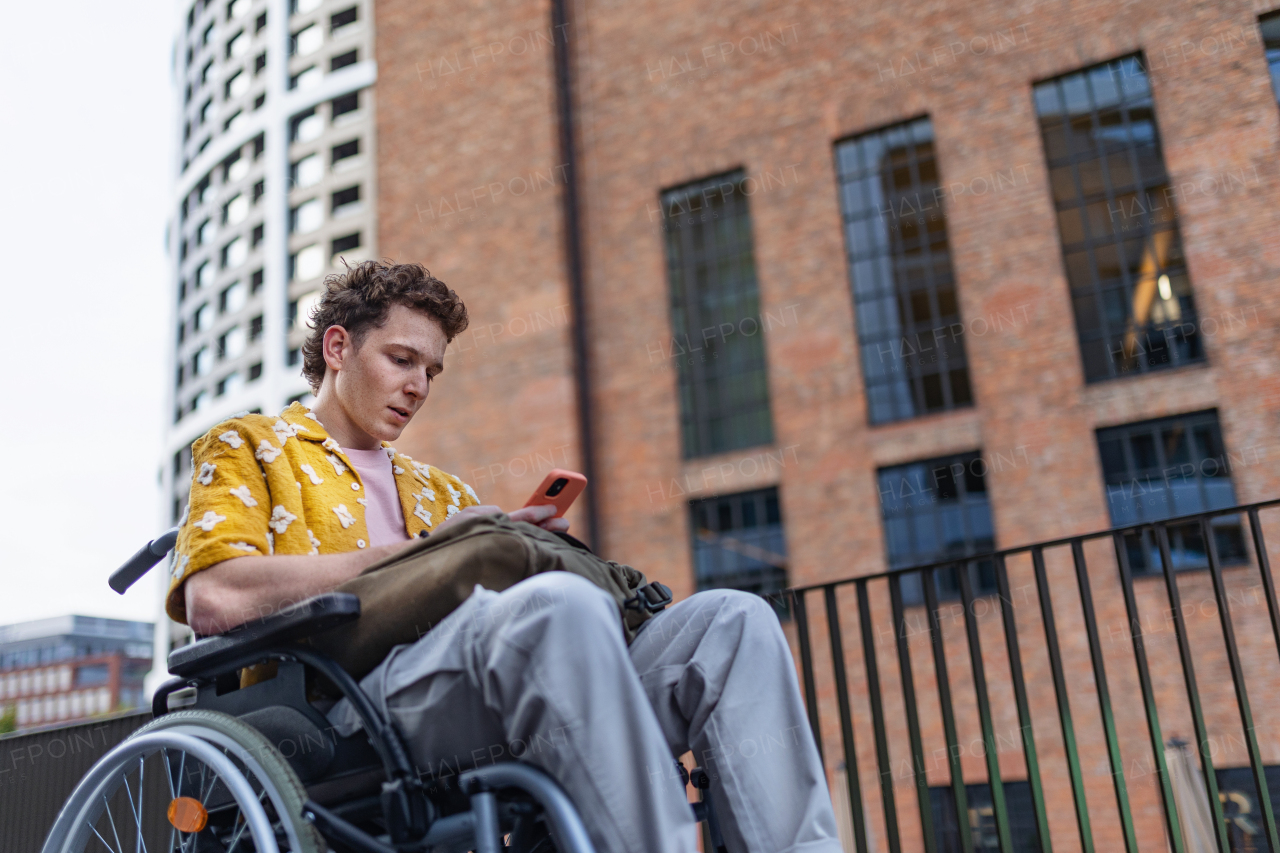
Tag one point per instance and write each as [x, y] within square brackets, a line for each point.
[85, 301]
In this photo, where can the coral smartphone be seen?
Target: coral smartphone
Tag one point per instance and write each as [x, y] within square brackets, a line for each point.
[559, 489]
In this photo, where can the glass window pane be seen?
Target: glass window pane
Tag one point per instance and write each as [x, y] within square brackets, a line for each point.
[1107, 176]
[1143, 447]
[733, 547]
[724, 402]
[900, 272]
[935, 509]
[1159, 469]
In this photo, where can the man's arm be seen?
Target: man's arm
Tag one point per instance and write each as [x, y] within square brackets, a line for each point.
[236, 591]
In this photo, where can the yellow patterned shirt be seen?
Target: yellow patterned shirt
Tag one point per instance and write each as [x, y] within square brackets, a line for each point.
[280, 485]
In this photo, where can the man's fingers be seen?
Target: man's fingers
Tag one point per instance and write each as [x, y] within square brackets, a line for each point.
[533, 514]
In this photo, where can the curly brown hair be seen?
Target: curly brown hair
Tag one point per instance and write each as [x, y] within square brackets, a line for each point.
[360, 298]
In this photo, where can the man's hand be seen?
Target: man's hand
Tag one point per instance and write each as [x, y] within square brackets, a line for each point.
[539, 515]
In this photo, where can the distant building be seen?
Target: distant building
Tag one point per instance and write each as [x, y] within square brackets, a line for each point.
[70, 668]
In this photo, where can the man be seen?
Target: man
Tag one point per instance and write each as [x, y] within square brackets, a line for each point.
[283, 508]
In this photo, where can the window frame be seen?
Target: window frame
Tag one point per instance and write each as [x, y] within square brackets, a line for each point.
[1141, 547]
[982, 577]
[885, 290]
[1095, 291]
[772, 577]
[712, 421]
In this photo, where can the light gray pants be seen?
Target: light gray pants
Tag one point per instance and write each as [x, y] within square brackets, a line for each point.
[541, 673]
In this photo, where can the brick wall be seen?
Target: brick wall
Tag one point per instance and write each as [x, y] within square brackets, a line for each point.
[669, 93]
[469, 178]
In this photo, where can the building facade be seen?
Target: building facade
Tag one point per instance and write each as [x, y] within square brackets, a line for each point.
[810, 292]
[866, 287]
[72, 668]
[274, 187]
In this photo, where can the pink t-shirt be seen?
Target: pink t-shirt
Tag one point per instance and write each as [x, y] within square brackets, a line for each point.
[383, 515]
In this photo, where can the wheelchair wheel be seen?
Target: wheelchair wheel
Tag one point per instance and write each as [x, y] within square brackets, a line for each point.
[189, 782]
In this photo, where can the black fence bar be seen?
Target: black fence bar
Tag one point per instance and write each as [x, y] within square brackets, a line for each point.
[1024, 707]
[806, 667]
[953, 824]
[958, 792]
[1104, 697]
[1237, 680]
[1264, 569]
[1173, 825]
[994, 780]
[846, 721]
[1064, 701]
[918, 771]
[1193, 693]
[1045, 545]
[877, 719]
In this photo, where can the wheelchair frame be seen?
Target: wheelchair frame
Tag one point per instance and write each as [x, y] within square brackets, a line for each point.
[339, 775]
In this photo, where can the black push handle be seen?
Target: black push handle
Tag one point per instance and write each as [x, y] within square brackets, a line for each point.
[140, 563]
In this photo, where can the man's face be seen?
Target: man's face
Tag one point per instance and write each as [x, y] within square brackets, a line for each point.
[383, 383]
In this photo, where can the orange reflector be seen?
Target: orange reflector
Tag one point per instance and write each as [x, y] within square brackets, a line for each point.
[188, 815]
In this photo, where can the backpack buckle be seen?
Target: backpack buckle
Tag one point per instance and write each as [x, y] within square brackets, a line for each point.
[653, 596]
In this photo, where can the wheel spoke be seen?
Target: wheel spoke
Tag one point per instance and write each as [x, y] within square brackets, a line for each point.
[253, 812]
[213, 783]
[173, 795]
[111, 818]
[235, 839]
[168, 775]
[137, 820]
[100, 838]
[139, 846]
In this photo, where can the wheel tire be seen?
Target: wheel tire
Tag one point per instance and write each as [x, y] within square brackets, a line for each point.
[277, 771]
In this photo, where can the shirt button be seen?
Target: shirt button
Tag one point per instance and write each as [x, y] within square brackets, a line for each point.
[359, 543]
[355, 487]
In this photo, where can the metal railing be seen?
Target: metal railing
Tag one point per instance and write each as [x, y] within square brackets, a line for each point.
[1053, 692]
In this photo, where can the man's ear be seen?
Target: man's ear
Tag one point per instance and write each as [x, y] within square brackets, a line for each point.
[335, 346]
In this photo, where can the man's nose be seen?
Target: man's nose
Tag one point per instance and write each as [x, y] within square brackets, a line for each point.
[419, 386]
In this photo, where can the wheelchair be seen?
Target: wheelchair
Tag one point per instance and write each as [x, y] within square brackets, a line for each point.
[259, 769]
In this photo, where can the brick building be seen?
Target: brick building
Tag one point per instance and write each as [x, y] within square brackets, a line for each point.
[69, 668]
[970, 275]
[814, 291]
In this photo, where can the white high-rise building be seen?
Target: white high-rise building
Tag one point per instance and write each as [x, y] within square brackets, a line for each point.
[273, 185]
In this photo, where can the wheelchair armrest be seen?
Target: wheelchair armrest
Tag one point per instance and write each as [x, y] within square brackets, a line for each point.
[313, 616]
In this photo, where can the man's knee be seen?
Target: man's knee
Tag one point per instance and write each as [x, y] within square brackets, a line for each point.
[732, 612]
[734, 603]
